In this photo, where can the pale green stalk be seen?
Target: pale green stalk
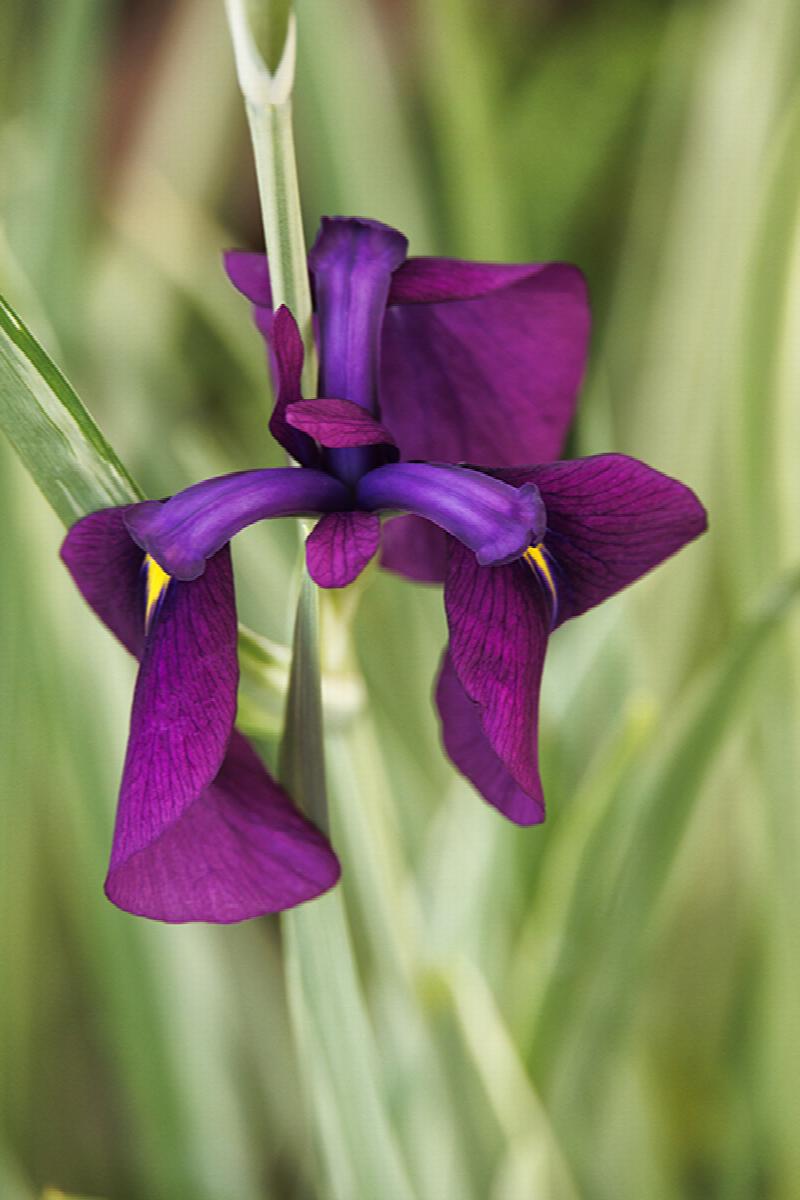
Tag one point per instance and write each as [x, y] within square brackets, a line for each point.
[268, 103]
[332, 1028]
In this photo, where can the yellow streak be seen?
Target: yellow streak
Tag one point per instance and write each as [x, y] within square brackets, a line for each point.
[156, 581]
[537, 560]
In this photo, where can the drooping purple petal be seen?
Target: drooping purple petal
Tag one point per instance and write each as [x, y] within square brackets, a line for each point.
[497, 524]
[199, 836]
[202, 832]
[469, 750]
[287, 347]
[106, 566]
[338, 423]
[183, 532]
[340, 546]
[498, 627]
[415, 548]
[610, 519]
[239, 850]
[491, 379]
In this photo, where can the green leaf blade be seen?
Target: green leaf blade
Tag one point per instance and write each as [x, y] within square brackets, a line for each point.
[55, 437]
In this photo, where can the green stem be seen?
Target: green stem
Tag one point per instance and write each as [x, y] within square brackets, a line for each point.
[267, 97]
[332, 1028]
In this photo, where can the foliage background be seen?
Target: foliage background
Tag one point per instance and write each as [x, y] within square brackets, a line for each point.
[609, 1006]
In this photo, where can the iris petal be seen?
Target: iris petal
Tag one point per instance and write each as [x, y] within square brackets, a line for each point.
[338, 424]
[499, 625]
[489, 378]
[203, 832]
[469, 749]
[340, 546]
[106, 566]
[182, 533]
[610, 520]
[288, 354]
[498, 524]
[240, 850]
[183, 707]
[352, 263]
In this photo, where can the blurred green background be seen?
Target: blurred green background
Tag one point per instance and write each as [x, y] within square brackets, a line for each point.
[607, 1006]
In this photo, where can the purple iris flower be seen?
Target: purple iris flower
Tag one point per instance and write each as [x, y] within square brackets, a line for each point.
[425, 365]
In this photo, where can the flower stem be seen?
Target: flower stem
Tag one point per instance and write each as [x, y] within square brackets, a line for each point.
[267, 96]
[334, 1036]
[268, 103]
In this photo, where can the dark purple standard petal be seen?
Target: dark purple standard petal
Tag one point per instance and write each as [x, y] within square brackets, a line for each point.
[499, 623]
[340, 546]
[287, 346]
[106, 567]
[485, 378]
[498, 524]
[610, 519]
[182, 533]
[481, 363]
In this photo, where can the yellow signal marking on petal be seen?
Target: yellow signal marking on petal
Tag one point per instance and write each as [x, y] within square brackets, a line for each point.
[535, 556]
[156, 583]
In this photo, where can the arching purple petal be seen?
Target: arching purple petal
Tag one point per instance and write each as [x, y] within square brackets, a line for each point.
[498, 627]
[340, 546]
[497, 524]
[338, 423]
[183, 532]
[415, 548]
[239, 850]
[106, 566]
[469, 750]
[610, 520]
[249, 274]
[487, 380]
[287, 346]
